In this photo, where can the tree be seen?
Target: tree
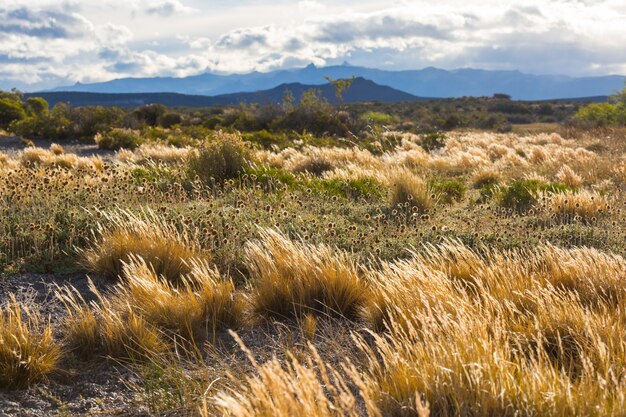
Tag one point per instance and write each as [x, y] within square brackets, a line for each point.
[341, 86]
[620, 98]
[37, 105]
[10, 110]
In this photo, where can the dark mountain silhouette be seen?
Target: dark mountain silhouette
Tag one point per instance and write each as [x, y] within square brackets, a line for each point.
[427, 82]
[361, 90]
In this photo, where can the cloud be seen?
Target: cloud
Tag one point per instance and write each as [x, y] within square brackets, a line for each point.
[44, 42]
[166, 8]
[62, 23]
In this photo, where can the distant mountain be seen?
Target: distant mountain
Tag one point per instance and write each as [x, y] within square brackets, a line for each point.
[427, 82]
[361, 90]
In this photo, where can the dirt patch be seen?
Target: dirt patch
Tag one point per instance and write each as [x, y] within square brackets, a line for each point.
[80, 388]
[12, 145]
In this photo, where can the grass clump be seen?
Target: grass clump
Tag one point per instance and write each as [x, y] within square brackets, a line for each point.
[485, 177]
[28, 351]
[221, 159]
[123, 234]
[294, 278]
[293, 387]
[141, 314]
[409, 190]
[583, 206]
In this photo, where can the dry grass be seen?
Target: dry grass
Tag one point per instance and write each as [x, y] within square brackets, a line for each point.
[204, 302]
[144, 312]
[410, 191]
[291, 278]
[583, 206]
[485, 176]
[294, 387]
[28, 351]
[531, 323]
[123, 234]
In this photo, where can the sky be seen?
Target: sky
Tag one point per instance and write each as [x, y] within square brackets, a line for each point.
[46, 43]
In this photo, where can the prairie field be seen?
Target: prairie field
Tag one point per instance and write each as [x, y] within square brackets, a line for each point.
[469, 273]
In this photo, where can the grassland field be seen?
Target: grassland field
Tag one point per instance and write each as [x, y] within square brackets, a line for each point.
[468, 274]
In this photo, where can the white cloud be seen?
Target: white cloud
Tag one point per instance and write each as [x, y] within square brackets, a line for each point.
[166, 8]
[42, 42]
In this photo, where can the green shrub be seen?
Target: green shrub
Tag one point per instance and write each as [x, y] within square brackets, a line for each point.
[433, 141]
[225, 158]
[37, 105]
[51, 125]
[449, 190]
[352, 188]
[521, 195]
[118, 138]
[377, 118]
[601, 115]
[10, 111]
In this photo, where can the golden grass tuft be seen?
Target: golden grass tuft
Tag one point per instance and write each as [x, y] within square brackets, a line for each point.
[203, 303]
[486, 176]
[143, 312]
[531, 322]
[567, 176]
[291, 278]
[583, 206]
[409, 190]
[307, 387]
[28, 351]
[123, 234]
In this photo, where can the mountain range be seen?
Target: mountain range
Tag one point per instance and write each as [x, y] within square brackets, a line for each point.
[361, 90]
[427, 82]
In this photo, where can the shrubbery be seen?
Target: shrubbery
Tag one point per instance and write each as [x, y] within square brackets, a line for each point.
[118, 138]
[223, 158]
[521, 195]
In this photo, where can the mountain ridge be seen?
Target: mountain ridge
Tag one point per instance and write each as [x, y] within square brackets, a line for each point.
[361, 90]
[426, 82]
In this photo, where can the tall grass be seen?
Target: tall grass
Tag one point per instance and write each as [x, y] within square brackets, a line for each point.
[144, 313]
[28, 351]
[293, 387]
[123, 234]
[291, 278]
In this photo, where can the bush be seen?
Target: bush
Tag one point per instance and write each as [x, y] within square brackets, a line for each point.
[521, 195]
[596, 115]
[224, 158]
[116, 139]
[433, 141]
[377, 118]
[10, 111]
[50, 125]
[37, 105]
[449, 190]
